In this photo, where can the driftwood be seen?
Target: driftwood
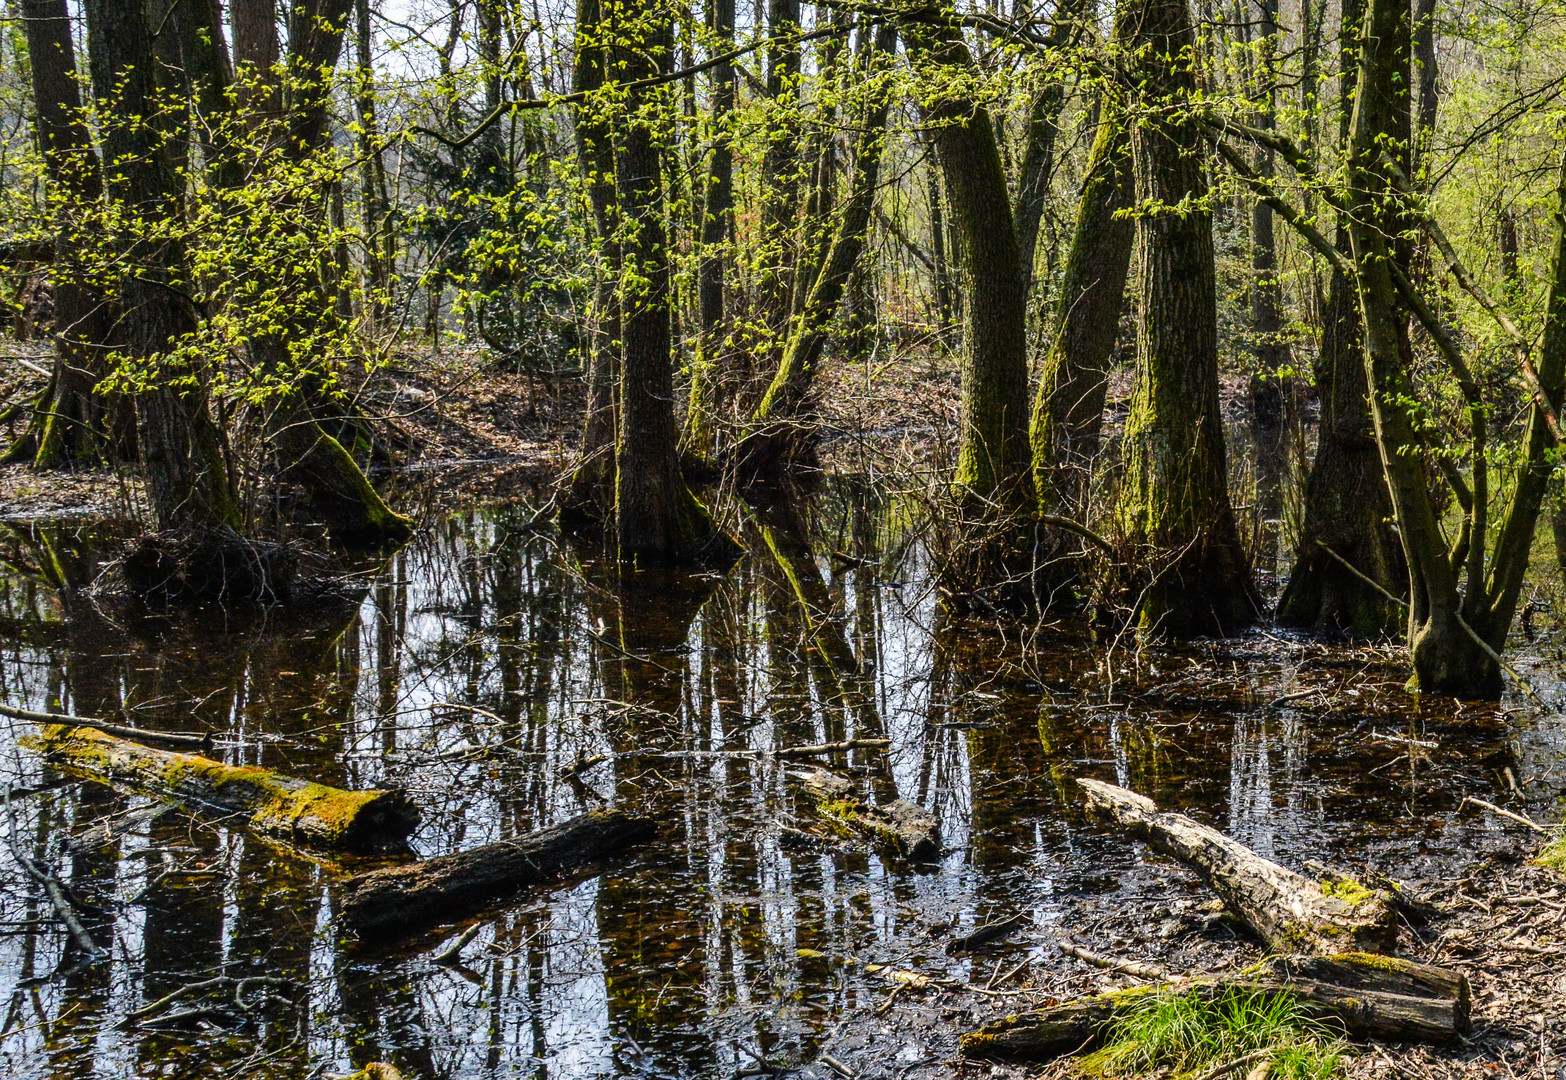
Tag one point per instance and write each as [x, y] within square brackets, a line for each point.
[297, 811]
[1290, 912]
[1363, 995]
[402, 900]
[898, 826]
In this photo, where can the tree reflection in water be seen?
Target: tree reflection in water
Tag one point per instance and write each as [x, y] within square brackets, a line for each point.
[477, 666]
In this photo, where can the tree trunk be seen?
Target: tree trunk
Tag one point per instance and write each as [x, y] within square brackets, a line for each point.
[590, 495]
[380, 249]
[1365, 997]
[657, 519]
[187, 479]
[1069, 409]
[1174, 499]
[69, 423]
[1290, 912]
[708, 378]
[1348, 514]
[400, 900]
[779, 177]
[777, 427]
[994, 459]
[297, 811]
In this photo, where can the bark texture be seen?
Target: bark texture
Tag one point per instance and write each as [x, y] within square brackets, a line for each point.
[1290, 912]
[284, 807]
[1174, 500]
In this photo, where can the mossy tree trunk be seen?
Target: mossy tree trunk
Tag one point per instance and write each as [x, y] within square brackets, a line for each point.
[708, 378]
[994, 459]
[1174, 500]
[657, 519]
[1348, 515]
[777, 426]
[187, 479]
[1068, 410]
[70, 423]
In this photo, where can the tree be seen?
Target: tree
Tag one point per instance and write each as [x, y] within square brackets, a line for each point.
[187, 480]
[1174, 498]
[1349, 572]
[657, 519]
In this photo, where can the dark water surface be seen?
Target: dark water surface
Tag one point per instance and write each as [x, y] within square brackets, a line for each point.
[483, 661]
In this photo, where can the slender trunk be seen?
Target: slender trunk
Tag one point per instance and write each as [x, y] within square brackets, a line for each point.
[777, 426]
[380, 249]
[70, 423]
[1269, 381]
[1174, 500]
[708, 379]
[590, 496]
[780, 179]
[1068, 411]
[942, 282]
[657, 519]
[256, 55]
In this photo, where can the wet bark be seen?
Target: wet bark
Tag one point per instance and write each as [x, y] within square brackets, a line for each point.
[899, 827]
[1174, 500]
[402, 900]
[1288, 911]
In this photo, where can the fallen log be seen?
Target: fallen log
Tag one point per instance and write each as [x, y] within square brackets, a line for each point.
[297, 811]
[402, 900]
[1362, 995]
[1290, 912]
[898, 826]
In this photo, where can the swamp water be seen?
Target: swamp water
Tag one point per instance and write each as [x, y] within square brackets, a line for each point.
[483, 664]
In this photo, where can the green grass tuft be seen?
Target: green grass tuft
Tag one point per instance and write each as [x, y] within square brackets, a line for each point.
[1192, 1033]
[1554, 855]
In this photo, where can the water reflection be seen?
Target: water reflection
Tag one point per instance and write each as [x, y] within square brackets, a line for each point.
[486, 669]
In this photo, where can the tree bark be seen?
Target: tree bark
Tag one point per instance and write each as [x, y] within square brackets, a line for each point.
[708, 378]
[657, 519]
[187, 480]
[69, 423]
[297, 811]
[1068, 411]
[994, 459]
[1348, 513]
[401, 900]
[777, 427]
[1174, 499]
[1290, 912]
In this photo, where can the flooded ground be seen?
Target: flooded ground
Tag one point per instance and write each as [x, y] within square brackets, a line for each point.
[484, 665]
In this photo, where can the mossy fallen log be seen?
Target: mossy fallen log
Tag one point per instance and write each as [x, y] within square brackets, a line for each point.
[1362, 995]
[402, 900]
[899, 826]
[1292, 913]
[297, 811]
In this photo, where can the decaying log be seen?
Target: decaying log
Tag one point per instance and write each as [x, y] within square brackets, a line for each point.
[898, 826]
[1290, 912]
[1363, 995]
[403, 900]
[298, 811]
